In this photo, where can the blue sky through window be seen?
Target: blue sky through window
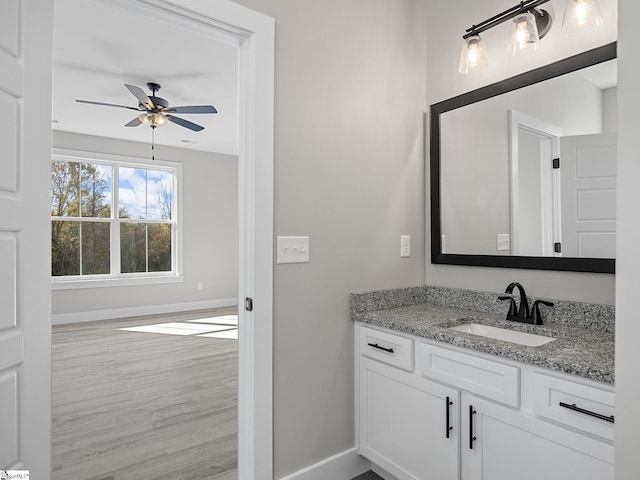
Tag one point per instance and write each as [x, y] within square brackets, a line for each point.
[145, 194]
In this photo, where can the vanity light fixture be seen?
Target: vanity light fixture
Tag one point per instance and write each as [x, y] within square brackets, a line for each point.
[528, 25]
[473, 56]
[582, 14]
[523, 34]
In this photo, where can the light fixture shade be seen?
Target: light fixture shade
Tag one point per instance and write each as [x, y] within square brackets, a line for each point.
[582, 15]
[523, 34]
[153, 119]
[473, 56]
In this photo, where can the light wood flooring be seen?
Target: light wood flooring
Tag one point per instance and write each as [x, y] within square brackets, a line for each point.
[131, 405]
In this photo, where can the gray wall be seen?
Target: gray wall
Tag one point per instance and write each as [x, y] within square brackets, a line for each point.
[210, 219]
[628, 240]
[350, 97]
[447, 20]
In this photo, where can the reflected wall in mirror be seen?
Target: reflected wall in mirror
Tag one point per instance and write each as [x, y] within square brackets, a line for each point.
[496, 198]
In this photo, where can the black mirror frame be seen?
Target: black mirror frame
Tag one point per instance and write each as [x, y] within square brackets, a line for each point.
[561, 67]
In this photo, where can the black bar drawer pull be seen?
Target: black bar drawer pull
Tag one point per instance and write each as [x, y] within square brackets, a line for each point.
[375, 345]
[575, 408]
[449, 427]
[472, 437]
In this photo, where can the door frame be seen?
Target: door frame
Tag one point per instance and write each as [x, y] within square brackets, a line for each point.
[253, 34]
[549, 195]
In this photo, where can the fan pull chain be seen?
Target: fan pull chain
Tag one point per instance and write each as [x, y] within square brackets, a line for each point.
[153, 143]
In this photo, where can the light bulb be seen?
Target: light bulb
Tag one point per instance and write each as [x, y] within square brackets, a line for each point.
[582, 14]
[473, 56]
[523, 34]
[153, 119]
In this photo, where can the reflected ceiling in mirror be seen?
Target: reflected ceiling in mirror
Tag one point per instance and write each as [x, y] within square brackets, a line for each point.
[496, 198]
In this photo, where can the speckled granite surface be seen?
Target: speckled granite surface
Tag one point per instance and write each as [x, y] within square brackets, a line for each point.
[584, 344]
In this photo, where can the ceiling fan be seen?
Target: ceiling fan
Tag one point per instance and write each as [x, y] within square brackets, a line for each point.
[156, 111]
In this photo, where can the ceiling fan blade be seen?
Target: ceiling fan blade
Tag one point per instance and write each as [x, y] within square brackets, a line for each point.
[107, 104]
[134, 123]
[140, 95]
[185, 123]
[192, 109]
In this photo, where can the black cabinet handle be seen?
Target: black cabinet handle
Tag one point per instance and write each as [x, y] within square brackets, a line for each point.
[449, 427]
[575, 408]
[375, 345]
[472, 437]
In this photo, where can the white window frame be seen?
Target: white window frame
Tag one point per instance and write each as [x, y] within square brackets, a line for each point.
[127, 279]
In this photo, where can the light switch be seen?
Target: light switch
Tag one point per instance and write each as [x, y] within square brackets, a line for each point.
[503, 242]
[405, 245]
[292, 250]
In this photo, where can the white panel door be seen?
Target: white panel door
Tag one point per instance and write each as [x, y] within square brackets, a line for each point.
[25, 305]
[588, 190]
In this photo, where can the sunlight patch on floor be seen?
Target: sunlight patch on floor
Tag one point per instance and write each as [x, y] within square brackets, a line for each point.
[225, 327]
[230, 334]
[221, 320]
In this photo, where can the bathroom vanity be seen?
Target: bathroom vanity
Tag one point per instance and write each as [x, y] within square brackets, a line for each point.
[434, 402]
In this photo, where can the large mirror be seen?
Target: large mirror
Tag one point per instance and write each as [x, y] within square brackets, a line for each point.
[523, 172]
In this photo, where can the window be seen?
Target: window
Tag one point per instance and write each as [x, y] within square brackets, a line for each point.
[112, 220]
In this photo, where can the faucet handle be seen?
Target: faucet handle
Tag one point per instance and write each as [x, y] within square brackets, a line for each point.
[513, 309]
[535, 311]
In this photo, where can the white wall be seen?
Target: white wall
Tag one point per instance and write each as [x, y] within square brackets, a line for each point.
[210, 219]
[628, 241]
[350, 97]
[447, 21]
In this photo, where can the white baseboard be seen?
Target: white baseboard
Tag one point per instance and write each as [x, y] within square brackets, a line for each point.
[343, 466]
[94, 315]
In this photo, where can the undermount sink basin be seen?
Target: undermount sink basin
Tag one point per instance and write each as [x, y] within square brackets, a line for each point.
[521, 338]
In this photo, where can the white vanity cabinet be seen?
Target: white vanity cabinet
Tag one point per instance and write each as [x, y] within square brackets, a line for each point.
[403, 423]
[428, 411]
[403, 417]
[501, 443]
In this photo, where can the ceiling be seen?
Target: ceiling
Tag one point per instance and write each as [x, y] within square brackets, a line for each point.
[98, 47]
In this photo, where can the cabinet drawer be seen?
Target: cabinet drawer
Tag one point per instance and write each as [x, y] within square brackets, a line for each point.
[584, 407]
[387, 347]
[490, 379]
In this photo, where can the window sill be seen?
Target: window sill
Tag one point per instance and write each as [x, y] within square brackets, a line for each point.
[74, 284]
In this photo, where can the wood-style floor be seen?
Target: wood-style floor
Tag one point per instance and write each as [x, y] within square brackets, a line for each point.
[131, 405]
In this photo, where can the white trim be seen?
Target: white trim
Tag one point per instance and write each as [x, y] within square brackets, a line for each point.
[109, 314]
[343, 466]
[67, 283]
[549, 197]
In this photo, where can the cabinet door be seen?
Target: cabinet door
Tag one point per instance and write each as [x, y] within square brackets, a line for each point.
[509, 444]
[403, 423]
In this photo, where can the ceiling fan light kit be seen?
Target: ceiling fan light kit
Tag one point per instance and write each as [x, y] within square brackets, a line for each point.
[156, 111]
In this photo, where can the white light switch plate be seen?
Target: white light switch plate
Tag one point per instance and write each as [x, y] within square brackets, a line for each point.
[405, 245]
[292, 250]
[503, 242]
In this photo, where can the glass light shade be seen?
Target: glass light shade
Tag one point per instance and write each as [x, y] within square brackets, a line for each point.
[582, 15]
[153, 119]
[523, 34]
[473, 56]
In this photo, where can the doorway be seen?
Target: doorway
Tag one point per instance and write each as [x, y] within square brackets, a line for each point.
[252, 35]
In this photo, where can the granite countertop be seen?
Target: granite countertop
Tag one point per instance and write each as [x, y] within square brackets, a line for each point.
[585, 352]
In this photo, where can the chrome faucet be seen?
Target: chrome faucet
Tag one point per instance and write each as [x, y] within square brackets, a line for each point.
[522, 313]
